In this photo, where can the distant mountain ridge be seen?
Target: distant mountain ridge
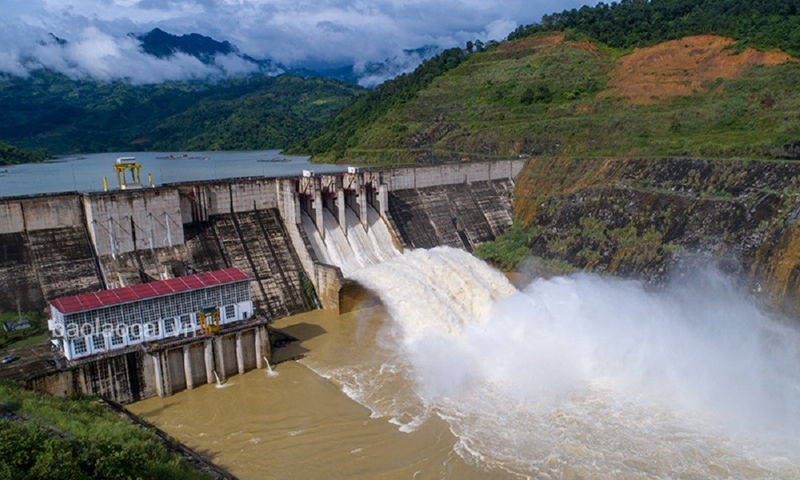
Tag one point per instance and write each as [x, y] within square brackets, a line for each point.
[162, 44]
[50, 110]
[271, 107]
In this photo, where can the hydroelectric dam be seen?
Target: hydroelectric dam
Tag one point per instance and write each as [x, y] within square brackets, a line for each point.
[285, 234]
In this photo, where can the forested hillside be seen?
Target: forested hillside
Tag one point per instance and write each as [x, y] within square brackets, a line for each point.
[48, 110]
[10, 155]
[764, 24]
[568, 86]
[341, 132]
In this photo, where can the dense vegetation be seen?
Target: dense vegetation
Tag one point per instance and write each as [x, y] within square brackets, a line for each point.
[507, 250]
[42, 436]
[633, 23]
[11, 155]
[51, 111]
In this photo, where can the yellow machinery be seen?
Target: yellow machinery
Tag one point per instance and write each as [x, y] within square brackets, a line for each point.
[122, 166]
[208, 317]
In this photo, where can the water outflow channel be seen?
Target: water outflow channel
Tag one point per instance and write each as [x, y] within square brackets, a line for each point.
[353, 247]
[460, 375]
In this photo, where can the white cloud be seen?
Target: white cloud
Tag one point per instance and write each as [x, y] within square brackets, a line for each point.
[293, 32]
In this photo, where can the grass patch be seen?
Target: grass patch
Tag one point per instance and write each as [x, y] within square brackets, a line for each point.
[35, 334]
[78, 438]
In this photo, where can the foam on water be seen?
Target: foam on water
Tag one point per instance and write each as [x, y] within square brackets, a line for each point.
[585, 375]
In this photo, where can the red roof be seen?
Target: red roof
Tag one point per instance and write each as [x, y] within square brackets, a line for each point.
[117, 296]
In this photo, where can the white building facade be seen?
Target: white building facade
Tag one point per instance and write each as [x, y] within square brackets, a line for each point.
[98, 322]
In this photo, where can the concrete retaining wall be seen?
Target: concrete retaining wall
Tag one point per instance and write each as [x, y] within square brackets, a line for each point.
[227, 196]
[449, 174]
[462, 215]
[44, 251]
[124, 221]
[25, 214]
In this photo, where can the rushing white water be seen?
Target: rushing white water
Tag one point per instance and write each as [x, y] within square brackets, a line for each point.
[358, 248]
[270, 371]
[583, 376]
[219, 383]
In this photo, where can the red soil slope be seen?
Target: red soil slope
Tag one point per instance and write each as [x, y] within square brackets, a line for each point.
[681, 67]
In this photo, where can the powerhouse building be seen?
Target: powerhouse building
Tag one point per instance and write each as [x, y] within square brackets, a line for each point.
[98, 322]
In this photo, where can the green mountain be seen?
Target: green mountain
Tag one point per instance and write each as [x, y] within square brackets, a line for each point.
[568, 87]
[49, 110]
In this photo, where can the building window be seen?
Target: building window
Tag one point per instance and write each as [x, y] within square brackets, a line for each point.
[169, 327]
[79, 346]
[186, 323]
[152, 329]
[230, 312]
[135, 333]
[117, 340]
[98, 342]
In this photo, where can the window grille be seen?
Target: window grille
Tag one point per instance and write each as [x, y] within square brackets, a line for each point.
[152, 329]
[135, 333]
[169, 327]
[98, 342]
[79, 346]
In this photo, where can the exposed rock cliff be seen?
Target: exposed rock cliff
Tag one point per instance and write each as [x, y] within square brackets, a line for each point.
[647, 217]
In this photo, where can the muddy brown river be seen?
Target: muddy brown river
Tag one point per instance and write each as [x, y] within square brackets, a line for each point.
[300, 425]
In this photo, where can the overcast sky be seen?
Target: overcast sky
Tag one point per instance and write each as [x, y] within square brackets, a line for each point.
[291, 32]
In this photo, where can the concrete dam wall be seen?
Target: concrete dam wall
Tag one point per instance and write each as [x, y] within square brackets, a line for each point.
[58, 245]
[45, 251]
[460, 215]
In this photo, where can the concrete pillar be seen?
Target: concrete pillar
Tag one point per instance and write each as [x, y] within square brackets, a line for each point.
[220, 359]
[383, 200]
[259, 353]
[239, 353]
[111, 380]
[159, 377]
[318, 217]
[341, 206]
[362, 205]
[187, 367]
[209, 359]
[295, 207]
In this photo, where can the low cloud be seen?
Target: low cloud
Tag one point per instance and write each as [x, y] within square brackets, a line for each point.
[98, 55]
[294, 33]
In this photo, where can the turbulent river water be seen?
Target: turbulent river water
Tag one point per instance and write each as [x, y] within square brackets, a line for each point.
[460, 375]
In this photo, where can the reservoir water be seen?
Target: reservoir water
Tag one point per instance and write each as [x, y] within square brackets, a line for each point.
[84, 173]
[459, 375]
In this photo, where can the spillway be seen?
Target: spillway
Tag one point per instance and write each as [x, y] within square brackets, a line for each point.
[354, 246]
